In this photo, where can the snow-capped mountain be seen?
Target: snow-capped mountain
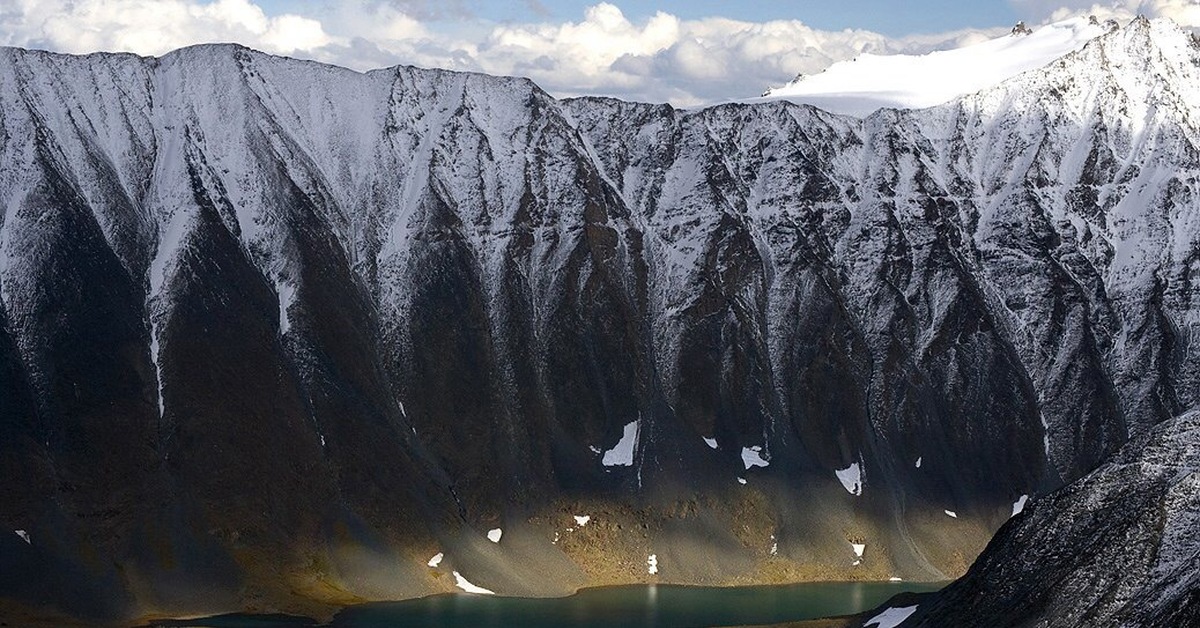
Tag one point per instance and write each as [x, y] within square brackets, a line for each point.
[274, 333]
[869, 82]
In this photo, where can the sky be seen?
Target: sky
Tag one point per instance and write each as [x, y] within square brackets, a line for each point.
[686, 52]
[882, 16]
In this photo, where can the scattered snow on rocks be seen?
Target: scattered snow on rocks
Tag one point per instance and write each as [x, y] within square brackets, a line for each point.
[621, 455]
[652, 563]
[851, 478]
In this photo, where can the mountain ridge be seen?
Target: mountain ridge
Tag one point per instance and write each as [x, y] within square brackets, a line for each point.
[864, 84]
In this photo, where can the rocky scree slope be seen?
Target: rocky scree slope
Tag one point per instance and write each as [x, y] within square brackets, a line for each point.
[1116, 548]
[275, 332]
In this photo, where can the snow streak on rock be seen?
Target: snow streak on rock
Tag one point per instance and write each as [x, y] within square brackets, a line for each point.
[621, 455]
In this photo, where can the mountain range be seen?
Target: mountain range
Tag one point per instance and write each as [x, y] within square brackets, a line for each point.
[275, 333]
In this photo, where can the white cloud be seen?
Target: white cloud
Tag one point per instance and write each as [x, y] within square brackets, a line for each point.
[661, 58]
[154, 26]
[684, 61]
[374, 21]
[1184, 12]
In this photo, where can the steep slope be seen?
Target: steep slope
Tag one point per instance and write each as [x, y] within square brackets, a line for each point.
[275, 333]
[1116, 548]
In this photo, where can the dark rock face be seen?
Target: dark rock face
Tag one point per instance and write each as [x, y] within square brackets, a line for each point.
[1116, 548]
[274, 330]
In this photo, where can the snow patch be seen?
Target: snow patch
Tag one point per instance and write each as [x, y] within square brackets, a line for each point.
[652, 563]
[891, 617]
[752, 457]
[862, 85]
[895, 579]
[851, 478]
[621, 455]
[951, 513]
[463, 584]
[582, 520]
[741, 481]
[494, 535]
[858, 548]
[1019, 505]
[24, 536]
[711, 442]
[919, 458]
[594, 449]
[436, 560]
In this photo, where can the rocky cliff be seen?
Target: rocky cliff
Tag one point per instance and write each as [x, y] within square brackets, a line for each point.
[1116, 548]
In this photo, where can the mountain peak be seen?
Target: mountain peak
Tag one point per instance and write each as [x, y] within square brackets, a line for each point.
[1129, 76]
[862, 85]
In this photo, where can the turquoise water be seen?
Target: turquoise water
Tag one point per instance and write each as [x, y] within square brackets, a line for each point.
[660, 606]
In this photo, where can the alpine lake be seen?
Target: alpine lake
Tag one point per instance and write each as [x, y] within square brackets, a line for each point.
[659, 606]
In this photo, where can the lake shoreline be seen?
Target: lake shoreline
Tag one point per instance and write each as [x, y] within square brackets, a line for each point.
[797, 604]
